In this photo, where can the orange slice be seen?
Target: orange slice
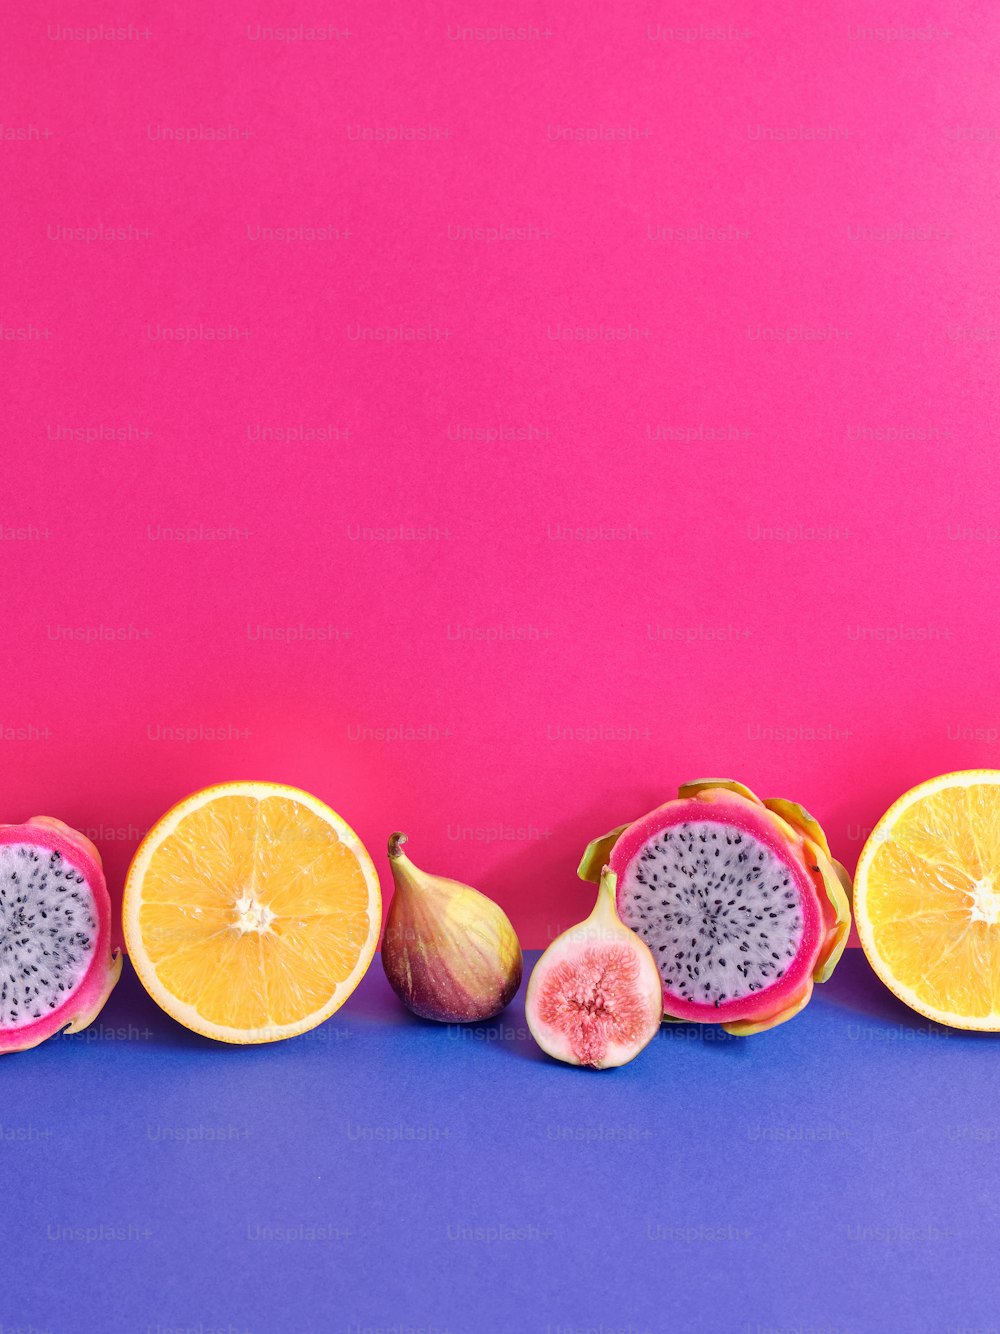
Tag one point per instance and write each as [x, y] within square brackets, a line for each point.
[927, 899]
[251, 912]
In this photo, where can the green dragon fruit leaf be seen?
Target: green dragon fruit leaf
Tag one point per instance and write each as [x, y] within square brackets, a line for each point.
[597, 855]
[799, 818]
[833, 875]
[702, 784]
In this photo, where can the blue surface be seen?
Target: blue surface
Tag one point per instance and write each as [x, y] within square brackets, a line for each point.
[383, 1173]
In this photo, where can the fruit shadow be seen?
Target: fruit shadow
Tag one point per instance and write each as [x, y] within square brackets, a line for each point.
[131, 1014]
[130, 1010]
[855, 987]
[375, 1004]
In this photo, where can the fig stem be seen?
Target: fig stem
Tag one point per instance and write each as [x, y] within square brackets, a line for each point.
[607, 899]
[396, 842]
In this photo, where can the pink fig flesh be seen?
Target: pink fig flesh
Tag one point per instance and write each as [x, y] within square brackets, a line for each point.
[594, 995]
[57, 969]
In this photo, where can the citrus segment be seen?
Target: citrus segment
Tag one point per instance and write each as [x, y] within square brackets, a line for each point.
[251, 912]
[927, 899]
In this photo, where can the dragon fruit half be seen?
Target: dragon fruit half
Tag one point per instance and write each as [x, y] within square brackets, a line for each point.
[739, 900]
[56, 964]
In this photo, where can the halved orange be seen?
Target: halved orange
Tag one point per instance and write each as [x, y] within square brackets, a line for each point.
[927, 899]
[251, 912]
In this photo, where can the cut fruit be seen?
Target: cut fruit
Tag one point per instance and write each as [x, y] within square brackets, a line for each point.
[251, 912]
[57, 968]
[927, 899]
[594, 997]
[738, 899]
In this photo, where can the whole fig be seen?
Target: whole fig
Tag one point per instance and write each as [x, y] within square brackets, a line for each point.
[449, 952]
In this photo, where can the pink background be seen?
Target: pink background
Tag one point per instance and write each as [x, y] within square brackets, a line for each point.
[792, 578]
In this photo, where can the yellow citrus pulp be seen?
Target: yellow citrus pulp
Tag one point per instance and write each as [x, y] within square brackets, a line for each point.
[927, 899]
[251, 912]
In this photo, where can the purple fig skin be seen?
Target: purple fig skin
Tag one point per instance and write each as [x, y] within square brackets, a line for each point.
[449, 952]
